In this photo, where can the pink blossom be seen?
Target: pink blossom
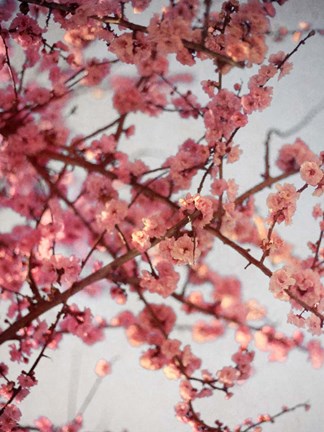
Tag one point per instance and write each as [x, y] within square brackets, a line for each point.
[219, 186]
[276, 343]
[280, 281]
[187, 105]
[15, 354]
[307, 285]
[93, 197]
[124, 47]
[315, 353]
[6, 390]
[223, 115]
[231, 190]
[127, 97]
[9, 419]
[141, 240]
[123, 319]
[203, 331]
[202, 204]
[146, 329]
[25, 30]
[258, 99]
[166, 281]
[103, 368]
[44, 424]
[168, 33]
[189, 360]
[291, 156]
[149, 65]
[83, 325]
[183, 166]
[234, 154]
[276, 60]
[317, 211]
[170, 348]
[262, 77]
[270, 9]
[73, 426]
[314, 324]
[152, 359]
[59, 269]
[243, 360]
[238, 50]
[228, 376]
[3, 369]
[112, 213]
[282, 204]
[37, 94]
[182, 411]
[7, 10]
[184, 250]
[118, 294]
[296, 320]
[311, 173]
[209, 87]
[153, 226]
[26, 380]
[187, 392]
[140, 5]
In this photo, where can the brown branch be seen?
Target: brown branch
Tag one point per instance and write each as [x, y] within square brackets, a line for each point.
[271, 419]
[267, 249]
[11, 73]
[210, 311]
[98, 240]
[206, 21]
[122, 237]
[91, 167]
[31, 280]
[103, 273]
[243, 252]
[268, 182]
[302, 42]
[67, 8]
[301, 302]
[72, 7]
[96, 132]
[202, 181]
[48, 339]
[318, 245]
[212, 54]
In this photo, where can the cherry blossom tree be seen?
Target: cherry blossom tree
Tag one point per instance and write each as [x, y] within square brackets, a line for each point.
[94, 222]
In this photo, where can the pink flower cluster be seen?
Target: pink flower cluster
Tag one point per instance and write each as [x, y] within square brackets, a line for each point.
[197, 202]
[276, 343]
[95, 220]
[300, 284]
[145, 329]
[26, 31]
[184, 165]
[83, 325]
[183, 250]
[223, 115]
[113, 212]
[282, 204]
[57, 269]
[163, 283]
[167, 35]
[292, 156]
[311, 173]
